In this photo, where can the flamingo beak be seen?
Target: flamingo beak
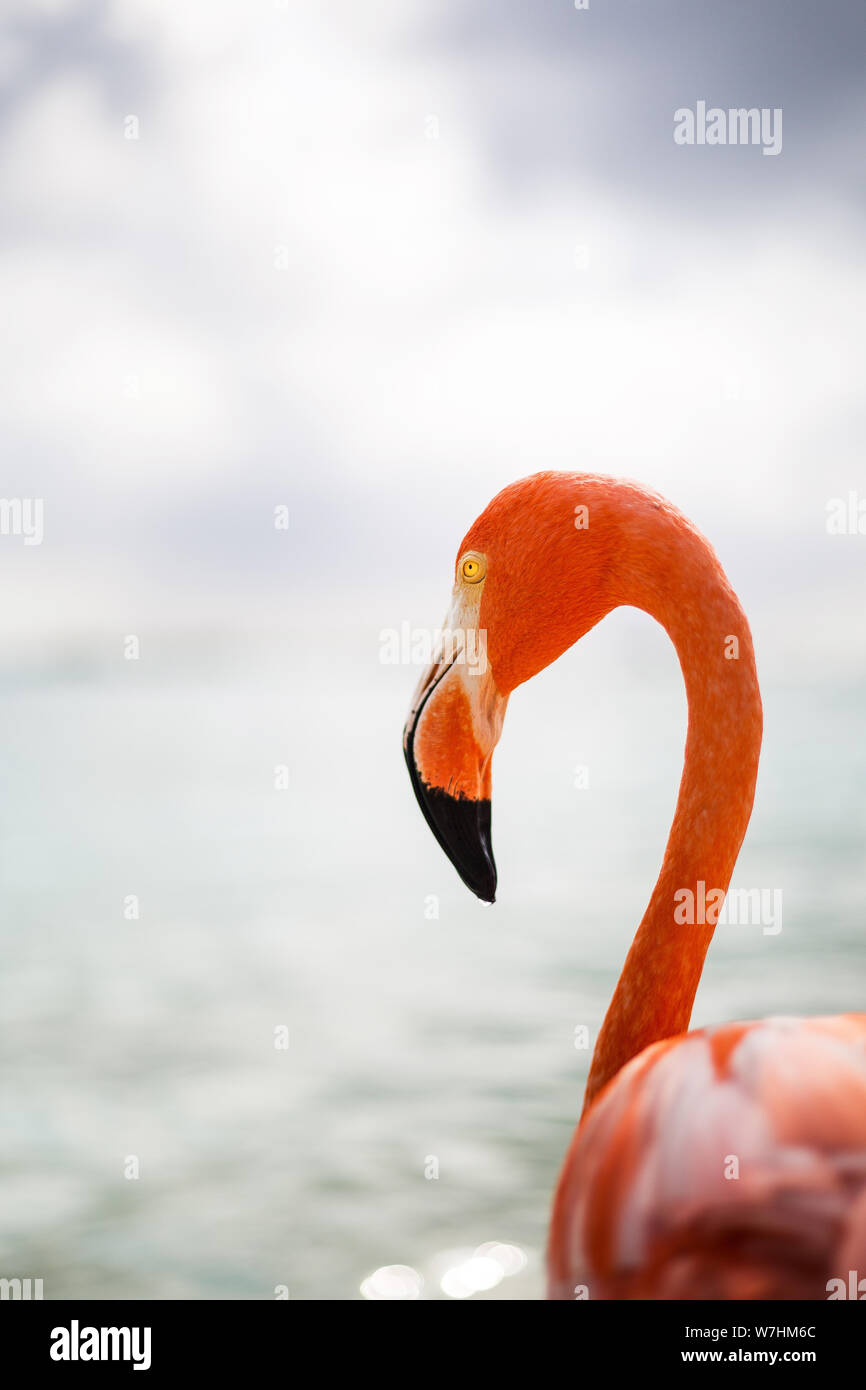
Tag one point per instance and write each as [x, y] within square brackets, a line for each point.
[448, 741]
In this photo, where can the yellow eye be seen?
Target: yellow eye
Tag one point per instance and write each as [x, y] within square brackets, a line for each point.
[473, 569]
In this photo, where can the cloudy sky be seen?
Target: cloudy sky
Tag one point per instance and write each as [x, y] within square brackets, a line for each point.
[376, 261]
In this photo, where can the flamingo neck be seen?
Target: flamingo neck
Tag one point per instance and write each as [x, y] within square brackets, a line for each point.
[664, 566]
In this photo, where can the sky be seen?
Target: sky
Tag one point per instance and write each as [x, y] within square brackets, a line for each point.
[373, 262]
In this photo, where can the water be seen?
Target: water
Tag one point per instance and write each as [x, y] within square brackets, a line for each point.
[409, 1039]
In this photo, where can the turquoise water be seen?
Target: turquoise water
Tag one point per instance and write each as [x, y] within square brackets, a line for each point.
[408, 1038]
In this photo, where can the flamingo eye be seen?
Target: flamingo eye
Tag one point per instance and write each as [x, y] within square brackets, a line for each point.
[473, 569]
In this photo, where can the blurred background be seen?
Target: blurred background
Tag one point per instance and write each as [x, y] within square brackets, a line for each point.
[368, 264]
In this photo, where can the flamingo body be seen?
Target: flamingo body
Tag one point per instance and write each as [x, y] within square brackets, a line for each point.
[727, 1163]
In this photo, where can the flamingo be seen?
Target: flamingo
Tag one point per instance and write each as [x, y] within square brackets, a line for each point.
[724, 1163]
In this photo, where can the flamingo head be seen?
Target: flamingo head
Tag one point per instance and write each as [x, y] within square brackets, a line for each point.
[529, 581]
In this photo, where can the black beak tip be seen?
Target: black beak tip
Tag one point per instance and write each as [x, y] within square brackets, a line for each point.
[462, 827]
[487, 895]
[483, 885]
[483, 881]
